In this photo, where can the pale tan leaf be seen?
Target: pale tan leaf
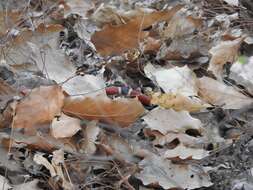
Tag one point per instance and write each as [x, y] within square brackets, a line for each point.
[65, 126]
[106, 14]
[91, 133]
[177, 80]
[224, 52]
[183, 138]
[218, 93]
[4, 183]
[55, 167]
[232, 2]
[119, 148]
[39, 159]
[181, 25]
[168, 120]
[78, 7]
[184, 152]
[184, 48]
[159, 171]
[58, 157]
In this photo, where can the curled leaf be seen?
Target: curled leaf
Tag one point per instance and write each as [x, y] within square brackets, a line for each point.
[177, 102]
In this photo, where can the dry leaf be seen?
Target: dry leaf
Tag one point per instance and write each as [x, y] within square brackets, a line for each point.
[40, 141]
[168, 120]
[159, 171]
[25, 44]
[119, 111]
[8, 20]
[39, 159]
[56, 65]
[78, 7]
[241, 72]
[41, 30]
[106, 14]
[55, 168]
[181, 25]
[232, 2]
[118, 147]
[114, 40]
[39, 107]
[179, 145]
[170, 130]
[184, 48]
[177, 102]
[224, 52]
[177, 80]
[31, 185]
[4, 183]
[91, 133]
[7, 92]
[65, 126]
[109, 14]
[185, 139]
[184, 152]
[59, 68]
[151, 45]
[217, 93]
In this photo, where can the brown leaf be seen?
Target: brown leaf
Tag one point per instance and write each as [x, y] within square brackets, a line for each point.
[39, 141]
[40, 107]
[7, 20]
[49, 28]
[42, 29]
[114, 40]
[120, 111]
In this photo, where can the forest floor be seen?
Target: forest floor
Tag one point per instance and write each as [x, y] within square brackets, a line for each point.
[133, 94]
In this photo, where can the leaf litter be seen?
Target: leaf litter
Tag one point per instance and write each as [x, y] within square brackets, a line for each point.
[126, 94]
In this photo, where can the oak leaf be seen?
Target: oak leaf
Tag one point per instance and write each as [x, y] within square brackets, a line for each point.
[119, 111]
[114, 40]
